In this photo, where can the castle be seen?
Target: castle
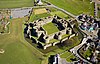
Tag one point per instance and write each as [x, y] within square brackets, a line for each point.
[39, 35]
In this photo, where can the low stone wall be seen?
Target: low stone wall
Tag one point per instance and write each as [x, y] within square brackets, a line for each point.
[51, 36]
[56, 43]
[48, 45]
[43, 21]
[63, 31]
[53, 44]
[34, 39]
[46, 40]
[71, 36]
[64, 39]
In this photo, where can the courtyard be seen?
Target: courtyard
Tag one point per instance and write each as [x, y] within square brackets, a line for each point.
[50, 28]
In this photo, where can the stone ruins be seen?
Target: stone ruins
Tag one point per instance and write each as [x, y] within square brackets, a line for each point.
[39, 35]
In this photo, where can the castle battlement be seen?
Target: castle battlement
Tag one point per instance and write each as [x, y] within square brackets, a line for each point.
[47, 40]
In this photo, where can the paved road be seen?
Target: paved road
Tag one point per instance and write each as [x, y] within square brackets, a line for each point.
[75, 50]
[64, 11]
[57, 8]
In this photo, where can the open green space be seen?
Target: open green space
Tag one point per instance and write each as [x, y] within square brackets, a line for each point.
[52, 9]
[50, 28]
[17, 49]
[16, 3]
[86, 53]
[68, 56]
[75, 7]
[64, 36]
[58, 48]
[60, 14]
[38, 16]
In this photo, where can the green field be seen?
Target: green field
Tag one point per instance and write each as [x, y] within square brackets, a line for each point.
[60, 14]
[38, 16]
[18, 50]
[52, 12]
[75, 7]
[16, 3]
[52, 9]
[86, 53]
[68, 56]
[50, 28]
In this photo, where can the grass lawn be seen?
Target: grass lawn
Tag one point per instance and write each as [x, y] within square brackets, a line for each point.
[75, 41]
[50, 28]
[16, 3]
[38, 16]
[64, 36]
[60, 14]
[17, 50]
[75, 7]
[86, 53]
[52, 9]
[68, 56]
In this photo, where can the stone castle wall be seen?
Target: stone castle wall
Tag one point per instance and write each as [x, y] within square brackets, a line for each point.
[37, 24]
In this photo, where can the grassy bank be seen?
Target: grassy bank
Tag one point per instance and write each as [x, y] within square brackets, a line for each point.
[17, 50]
[15, 3]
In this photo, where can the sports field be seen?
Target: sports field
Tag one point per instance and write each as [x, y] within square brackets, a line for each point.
[16, 3]
[75, 7]
[18, 50]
